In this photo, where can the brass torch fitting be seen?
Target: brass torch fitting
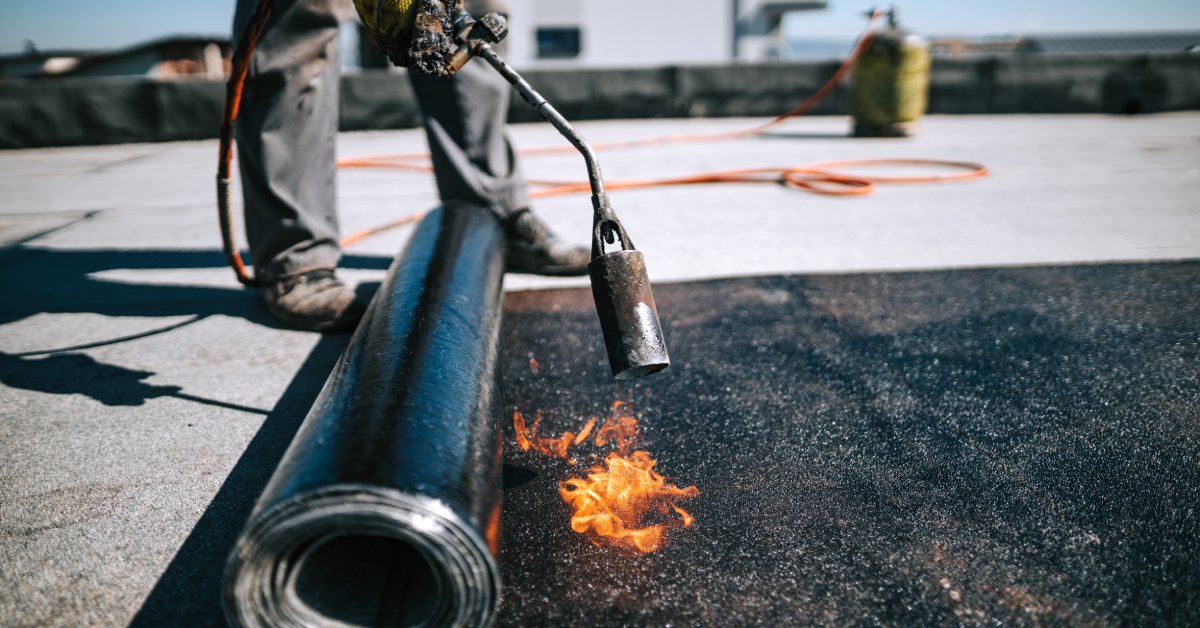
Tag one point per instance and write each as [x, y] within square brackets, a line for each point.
[470, 34]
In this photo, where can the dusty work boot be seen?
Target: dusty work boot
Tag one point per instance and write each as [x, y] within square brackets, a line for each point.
[534, 249]
[314, 301]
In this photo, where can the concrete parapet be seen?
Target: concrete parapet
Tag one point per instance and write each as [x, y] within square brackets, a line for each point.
[605, 94]
[72, 112]
[377, 100]
[82, 111]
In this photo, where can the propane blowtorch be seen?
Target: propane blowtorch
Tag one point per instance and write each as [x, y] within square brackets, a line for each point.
[633, 335]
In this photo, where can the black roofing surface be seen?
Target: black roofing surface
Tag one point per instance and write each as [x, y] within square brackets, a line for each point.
[1007, 446]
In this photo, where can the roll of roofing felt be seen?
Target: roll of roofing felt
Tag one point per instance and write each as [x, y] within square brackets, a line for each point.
[385, 510]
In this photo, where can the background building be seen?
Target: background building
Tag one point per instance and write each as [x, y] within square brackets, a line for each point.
[165, 58]
[631, 33]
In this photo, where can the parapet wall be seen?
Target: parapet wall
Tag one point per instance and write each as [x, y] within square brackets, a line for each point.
[71, 112]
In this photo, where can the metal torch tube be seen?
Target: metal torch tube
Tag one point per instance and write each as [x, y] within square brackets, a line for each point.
[633, 335]
[548, 112]
[386, 507]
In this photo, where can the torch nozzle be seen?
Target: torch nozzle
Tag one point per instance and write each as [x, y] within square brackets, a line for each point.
[633, 335]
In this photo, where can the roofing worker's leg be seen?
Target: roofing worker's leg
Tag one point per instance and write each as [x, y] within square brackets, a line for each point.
[473, 158]
[475, 164]
[286, 134]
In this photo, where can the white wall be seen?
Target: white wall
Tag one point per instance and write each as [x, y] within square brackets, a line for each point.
[625, 33]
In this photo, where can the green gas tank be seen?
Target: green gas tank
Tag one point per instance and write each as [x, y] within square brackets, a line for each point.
[891, 83]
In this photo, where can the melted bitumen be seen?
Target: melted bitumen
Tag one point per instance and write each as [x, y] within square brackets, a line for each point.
[1014, 445]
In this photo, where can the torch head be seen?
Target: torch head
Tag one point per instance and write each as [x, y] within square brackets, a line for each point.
[470, 34]
[633, 335]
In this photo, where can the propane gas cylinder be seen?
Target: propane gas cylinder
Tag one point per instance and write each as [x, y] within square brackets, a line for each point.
[891, 82]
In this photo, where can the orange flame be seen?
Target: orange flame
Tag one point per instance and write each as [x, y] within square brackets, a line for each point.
[612, 504]
[528, 439]
[621, 428]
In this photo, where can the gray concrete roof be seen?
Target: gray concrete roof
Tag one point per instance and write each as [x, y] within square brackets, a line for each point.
[111, 456]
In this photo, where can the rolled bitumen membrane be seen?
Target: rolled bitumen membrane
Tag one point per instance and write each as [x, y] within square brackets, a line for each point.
[385, 508]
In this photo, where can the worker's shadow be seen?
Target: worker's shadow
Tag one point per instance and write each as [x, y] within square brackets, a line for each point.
[39, 280]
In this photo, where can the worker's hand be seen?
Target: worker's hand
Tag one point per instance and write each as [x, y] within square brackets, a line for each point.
[416, 34]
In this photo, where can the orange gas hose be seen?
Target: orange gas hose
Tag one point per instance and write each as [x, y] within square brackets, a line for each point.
[818, 178]
[239, 68]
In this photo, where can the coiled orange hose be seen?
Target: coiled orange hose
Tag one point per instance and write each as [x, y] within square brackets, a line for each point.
[818, 178]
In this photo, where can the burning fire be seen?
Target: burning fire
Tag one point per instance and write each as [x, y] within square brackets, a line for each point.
[613, 501]
[528, 439]
[618, 498]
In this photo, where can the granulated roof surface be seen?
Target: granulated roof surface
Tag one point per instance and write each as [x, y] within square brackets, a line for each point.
[1012, 446]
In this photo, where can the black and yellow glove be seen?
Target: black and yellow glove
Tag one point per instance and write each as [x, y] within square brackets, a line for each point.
[416, 34]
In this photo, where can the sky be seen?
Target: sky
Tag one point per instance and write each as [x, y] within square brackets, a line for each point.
[92, 24]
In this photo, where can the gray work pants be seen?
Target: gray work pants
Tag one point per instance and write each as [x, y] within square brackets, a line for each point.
[287, 128]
